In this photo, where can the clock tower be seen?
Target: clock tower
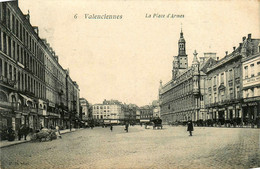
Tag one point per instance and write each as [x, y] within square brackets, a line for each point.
[180, 62]
[183, 59]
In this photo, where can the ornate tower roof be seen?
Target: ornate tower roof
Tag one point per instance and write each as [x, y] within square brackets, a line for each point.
[181, 37]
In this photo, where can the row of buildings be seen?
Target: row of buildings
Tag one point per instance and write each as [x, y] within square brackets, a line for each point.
[34, 88]
[113, 111]
[222, 91]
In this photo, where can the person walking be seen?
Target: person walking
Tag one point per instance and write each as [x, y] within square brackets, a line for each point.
[58, 132]
[190, 127]
[126, 127]
[111, 127]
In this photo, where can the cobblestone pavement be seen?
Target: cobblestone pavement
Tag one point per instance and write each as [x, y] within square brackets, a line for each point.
[140, 148]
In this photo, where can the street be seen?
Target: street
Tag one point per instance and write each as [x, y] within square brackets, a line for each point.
[170, 147]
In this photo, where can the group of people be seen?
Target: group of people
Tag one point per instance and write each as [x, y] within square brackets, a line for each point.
[126, 127]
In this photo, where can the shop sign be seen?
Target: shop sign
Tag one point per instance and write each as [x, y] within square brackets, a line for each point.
[230, 107]
[237, 107]
[221, 109]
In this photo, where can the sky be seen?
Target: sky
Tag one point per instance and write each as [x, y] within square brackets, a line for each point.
[125, 59]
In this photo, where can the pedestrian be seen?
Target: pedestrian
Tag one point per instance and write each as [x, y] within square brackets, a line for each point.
[10, 134]
[126, 126]
[58, 132]
[20, 132]
[111, 127]
[70, 127]
[190, 127]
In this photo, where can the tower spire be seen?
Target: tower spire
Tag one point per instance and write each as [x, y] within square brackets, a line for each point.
[181, 34]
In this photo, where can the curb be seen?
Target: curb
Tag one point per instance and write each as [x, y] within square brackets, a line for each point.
[30, 140]
[15, 144]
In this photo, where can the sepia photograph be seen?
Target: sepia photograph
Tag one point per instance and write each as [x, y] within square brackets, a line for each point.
[129, 84]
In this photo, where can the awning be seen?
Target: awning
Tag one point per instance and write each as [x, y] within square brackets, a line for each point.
[144, 120]
[27, 99]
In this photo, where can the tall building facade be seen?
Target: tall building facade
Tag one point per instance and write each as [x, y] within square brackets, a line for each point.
[32, 82]
[225, 85]
[251, 82]
[183, 96]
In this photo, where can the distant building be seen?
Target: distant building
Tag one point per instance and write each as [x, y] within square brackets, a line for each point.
[156, 109]
[109, 111]
[85, 113]
[146, 113]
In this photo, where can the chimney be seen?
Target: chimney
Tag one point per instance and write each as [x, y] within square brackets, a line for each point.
[240, 45]
[244, 38]
[249, 36]
[217, 58]
[226, 53]
[234, 48]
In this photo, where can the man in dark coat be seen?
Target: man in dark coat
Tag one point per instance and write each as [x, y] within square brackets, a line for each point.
[190, 127]
[126, 126]
[111, 127]
[23, 131]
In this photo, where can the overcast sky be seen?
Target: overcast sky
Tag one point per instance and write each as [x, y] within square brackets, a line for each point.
[125, 59]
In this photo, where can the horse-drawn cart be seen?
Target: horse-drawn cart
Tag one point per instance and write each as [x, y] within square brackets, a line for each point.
[157, 123]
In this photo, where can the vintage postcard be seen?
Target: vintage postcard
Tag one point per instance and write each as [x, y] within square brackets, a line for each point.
[129, 84]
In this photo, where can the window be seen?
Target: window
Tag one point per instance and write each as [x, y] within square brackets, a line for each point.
[0, 37]
[230, 74]
[231, 93]
[10, 72]
[14, 73]
[238, 92]
[252, 70]
[222, 78]
[258, 67]
[215, 80]
[9, 47]
[13, 24]
[16, 27]
[1, 65]
[4, 43]
[14, 55]
[246, 71]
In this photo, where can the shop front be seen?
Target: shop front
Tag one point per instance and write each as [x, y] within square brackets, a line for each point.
[251, 111]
